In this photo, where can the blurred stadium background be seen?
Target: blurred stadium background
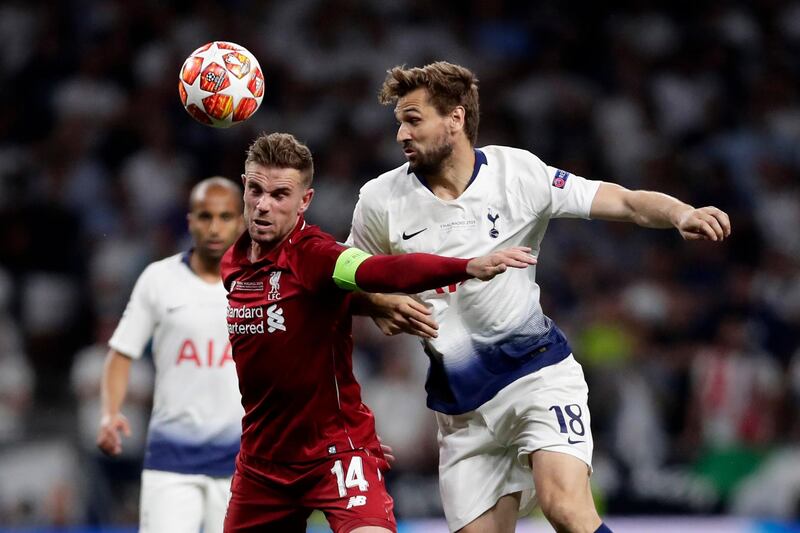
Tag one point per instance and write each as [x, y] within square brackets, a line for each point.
[691, 350]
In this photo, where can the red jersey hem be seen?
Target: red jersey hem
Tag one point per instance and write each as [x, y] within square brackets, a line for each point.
[350, 525]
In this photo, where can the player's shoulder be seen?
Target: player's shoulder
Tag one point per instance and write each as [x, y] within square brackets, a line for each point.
[388, 185]
[310, 241]
[509, 155]
[170, 262]
[518, 167]
[311, 232]
[166, 266]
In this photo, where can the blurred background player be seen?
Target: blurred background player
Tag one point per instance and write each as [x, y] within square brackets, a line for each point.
[508, 394]
[195, 426]
[308, 441]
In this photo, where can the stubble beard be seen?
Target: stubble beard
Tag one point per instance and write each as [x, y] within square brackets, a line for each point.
[431, 162]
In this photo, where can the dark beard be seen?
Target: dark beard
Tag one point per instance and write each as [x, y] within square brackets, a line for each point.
[430, 163]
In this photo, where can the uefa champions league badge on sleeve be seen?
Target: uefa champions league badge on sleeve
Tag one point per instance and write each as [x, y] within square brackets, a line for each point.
[494, 232]
[560, 178]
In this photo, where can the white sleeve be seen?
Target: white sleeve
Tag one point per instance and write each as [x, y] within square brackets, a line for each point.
[556, 193]
[136, 326]
[369, 231]
[571, 196]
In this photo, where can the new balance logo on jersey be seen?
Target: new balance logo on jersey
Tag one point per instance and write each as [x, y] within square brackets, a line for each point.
[356, 501]
[275, 319]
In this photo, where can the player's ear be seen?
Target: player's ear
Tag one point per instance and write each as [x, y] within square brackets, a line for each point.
[244, 180]
[457, 117]
[307, 196]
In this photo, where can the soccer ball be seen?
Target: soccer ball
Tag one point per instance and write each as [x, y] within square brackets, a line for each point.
[221, 84]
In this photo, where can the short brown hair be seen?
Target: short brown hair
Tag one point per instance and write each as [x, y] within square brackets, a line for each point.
[448, 86]
[282, 150]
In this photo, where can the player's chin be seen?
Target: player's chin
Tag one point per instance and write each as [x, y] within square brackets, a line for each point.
[215, 254]
[264, 238]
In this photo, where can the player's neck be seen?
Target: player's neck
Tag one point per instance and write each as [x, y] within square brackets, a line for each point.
[453, 178]
[260, 249]
[206, 268]
[257, 251]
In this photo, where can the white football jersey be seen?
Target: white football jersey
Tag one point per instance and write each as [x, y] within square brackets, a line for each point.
[490, 333]
[195, 427]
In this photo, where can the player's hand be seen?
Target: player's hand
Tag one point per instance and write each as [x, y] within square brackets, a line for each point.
[387, 451]
[704, 223]
[108, 436]
[398, 313]
[488, 266]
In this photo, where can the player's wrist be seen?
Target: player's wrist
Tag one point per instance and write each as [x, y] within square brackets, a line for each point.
[679, 213]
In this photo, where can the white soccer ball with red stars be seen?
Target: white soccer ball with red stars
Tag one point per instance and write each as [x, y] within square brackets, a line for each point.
[221, 84]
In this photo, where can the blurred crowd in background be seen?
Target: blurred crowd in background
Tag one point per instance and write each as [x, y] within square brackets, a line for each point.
[691, 349]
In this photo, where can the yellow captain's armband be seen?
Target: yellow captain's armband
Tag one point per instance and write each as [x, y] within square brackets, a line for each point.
[344, 274]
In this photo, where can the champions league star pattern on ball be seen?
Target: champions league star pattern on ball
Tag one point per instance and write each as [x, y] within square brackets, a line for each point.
[221, 84]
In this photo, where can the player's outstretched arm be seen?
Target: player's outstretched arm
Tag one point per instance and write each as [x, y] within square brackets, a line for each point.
[412, 273]
[657, 210]
[112, 394]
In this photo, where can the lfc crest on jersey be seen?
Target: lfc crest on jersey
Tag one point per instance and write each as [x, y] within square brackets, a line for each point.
[274, 286]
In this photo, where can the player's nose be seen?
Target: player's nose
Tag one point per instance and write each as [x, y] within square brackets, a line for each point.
[262, 205]
[213, 228]
[403, 134]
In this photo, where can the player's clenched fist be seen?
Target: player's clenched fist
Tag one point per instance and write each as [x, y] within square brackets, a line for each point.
[704, 223]
[108, 436]
[488, 266]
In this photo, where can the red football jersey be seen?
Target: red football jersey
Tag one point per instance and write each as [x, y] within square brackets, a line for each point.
[290, 330]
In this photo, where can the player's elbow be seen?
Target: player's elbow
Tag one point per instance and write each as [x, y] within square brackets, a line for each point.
[614, 202]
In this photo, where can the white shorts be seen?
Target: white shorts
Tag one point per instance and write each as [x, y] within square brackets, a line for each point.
[182, 503]
[484, 454]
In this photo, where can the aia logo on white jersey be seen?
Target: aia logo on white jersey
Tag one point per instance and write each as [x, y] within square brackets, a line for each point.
[275, 319]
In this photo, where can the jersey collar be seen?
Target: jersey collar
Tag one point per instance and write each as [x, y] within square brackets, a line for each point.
[480, 159]
[186, 257]
[276, 256]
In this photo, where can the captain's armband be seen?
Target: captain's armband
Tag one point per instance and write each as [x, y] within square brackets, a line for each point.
[344, 274]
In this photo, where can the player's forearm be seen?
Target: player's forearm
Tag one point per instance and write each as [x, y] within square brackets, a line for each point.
[409, 273]
[645, 208]
[114, 385]
[657, 210]
[366, 303]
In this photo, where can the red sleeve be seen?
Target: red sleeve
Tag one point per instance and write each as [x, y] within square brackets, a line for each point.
[317, 260]
[410, 273]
